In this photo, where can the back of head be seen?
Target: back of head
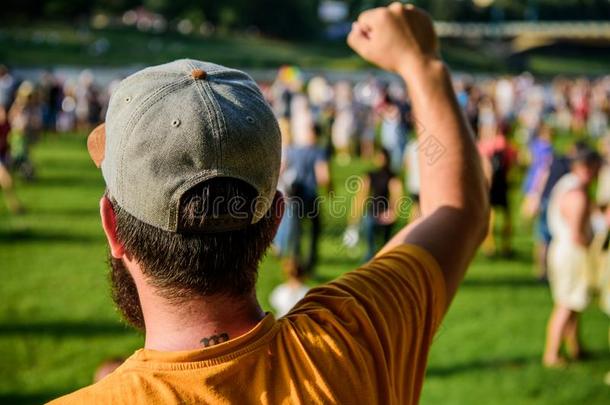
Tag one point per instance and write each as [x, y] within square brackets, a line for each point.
[203, 258]
[190, 153]
[586, 155]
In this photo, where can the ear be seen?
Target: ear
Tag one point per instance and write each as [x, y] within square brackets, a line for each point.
[278, 208]
[109, 224]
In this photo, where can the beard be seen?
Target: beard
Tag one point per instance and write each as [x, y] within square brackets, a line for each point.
[125, 293]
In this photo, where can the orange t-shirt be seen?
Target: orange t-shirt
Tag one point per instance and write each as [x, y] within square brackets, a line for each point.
[363, 338]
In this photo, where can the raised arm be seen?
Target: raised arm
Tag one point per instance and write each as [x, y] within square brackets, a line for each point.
[454, 201]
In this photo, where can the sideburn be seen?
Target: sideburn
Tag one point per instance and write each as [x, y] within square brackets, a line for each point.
[125, 293]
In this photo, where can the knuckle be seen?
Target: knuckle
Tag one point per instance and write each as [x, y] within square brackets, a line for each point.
[384, 13]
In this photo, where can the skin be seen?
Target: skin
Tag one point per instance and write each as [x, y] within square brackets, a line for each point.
[453, 197]
[169, 328]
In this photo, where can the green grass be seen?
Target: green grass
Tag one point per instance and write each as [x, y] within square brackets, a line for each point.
[552, 65]
[57, 322]
[49, 45]
[63, 45]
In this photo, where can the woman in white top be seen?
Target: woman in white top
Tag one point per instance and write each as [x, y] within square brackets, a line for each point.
[569, 261]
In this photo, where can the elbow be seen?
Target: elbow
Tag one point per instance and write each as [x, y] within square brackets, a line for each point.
[483, 222]
[478, 214]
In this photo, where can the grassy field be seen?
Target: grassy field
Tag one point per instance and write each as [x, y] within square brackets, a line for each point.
[52, 45]
[48, 45]
[57, 322]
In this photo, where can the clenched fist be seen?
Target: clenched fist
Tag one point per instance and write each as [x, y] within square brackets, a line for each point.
[394, 38]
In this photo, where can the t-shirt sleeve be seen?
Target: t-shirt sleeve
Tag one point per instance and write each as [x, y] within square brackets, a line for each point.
[392, 306]
[320, 155]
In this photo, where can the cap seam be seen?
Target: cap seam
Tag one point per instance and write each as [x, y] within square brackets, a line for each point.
[217, 125]
[206, 98]
[220, 123]
[220, 118]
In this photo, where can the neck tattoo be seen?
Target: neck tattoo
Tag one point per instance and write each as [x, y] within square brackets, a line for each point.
[214, 339]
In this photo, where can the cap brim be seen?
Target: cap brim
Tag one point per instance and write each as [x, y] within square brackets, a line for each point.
[96, 143]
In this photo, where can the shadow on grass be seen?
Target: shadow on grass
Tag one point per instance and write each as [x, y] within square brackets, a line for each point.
[74, 212]
[85, 182]
[21, 236]
[66, 328]
[503, 363]
[343, 261]
[498, 281]
[478, 365]
[26, 399]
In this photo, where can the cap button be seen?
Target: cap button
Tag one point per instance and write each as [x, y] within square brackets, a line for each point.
[199, 74]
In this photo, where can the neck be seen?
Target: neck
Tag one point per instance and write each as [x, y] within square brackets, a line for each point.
[195, 323]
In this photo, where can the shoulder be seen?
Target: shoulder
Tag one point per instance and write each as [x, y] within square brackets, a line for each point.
[576, 195]
[405, 279]
[108, 390]
[574, 201]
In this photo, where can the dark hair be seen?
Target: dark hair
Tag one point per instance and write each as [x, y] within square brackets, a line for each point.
[194, 261]
[585, 154]
[387, 165]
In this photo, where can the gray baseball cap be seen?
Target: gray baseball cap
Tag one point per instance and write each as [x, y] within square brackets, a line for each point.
[173, 126]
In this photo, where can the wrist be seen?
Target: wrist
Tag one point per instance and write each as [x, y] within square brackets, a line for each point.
[415, 70]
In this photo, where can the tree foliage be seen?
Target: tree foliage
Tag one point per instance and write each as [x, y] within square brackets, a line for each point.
[296, 18]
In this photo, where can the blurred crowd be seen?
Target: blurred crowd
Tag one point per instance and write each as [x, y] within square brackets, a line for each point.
[50, 104]
[550, 140]
[531, 134]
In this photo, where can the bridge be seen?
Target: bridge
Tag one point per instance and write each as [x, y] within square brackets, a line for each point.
[528, 35]
[547, 29]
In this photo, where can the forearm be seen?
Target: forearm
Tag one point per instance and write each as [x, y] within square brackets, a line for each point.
[358, 202]
[454, 200]
[450, 166]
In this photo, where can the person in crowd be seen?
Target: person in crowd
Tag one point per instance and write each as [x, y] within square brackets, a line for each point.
[286, 295]
[344, 124]
[540, 197]
[569, 259]
[541, 152]
[412, 177]
[51, 97]
[87, 108]
[185, 273]
[603, 268]
[504, 98]
[500, 156]
[603, 185]
[579, 100]
[8, 85]
[306, 169]
[472, 106]
[367, 96]
[288, 82]
[6, 180]
[376, 206]
[25, 117]
[393, 131]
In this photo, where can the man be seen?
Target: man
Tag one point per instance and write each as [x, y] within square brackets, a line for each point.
[306, 163]
[183, 138]
[569, 259]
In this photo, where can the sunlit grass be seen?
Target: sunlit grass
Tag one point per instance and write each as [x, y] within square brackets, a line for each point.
[57, 322]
